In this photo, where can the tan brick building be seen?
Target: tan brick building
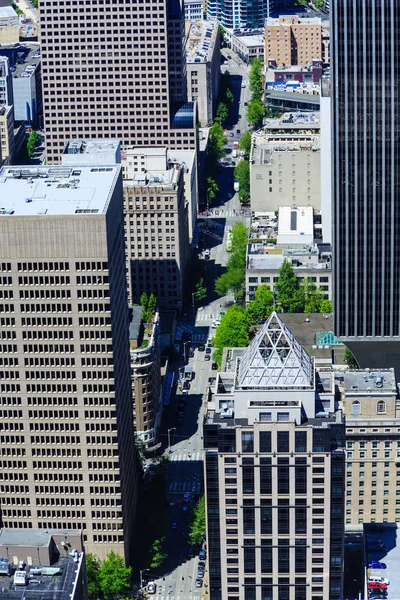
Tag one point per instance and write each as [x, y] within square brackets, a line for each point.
[372, 414]
[67, 456]
[292, 41]
[114, 76]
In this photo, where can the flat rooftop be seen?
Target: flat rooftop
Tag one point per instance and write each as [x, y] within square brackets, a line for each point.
[379, 381]
[286, 21]
[201, 41]
[48, 190]
[293, 120]
[24, 59]
[251, 41]
[163, 179]
[91, 146]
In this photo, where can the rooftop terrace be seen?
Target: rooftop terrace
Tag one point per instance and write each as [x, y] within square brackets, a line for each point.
[201, 42]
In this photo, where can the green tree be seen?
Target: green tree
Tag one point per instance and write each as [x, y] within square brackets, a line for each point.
[152, 304]
[245, 142]
[287, 289]
[221, 114]
[144, 300]
[229, 281]
[229, 96]
[326, 306]
[221, 37]
[197, 530]
[310, 296]
[92, 575]
[215, 147]
[114, 577]
[239, 236]
[255, 112]
[262, 304]
[349, 359]
[255, 78]
[158, 555]
[201, 290]
[212, 189]
[31, 143]
[242, 174]
[233, 330]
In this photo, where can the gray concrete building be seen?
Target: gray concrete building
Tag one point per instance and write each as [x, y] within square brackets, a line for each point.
[49, 563]
[274, 473]
[285, 163]
[117, 72]
[194, 10]
[25, 67]
[203, 68]
[7, 141]
[66, 442]
[6, 89]
[156, 227]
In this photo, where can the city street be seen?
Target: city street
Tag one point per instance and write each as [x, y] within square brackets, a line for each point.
[182, 435]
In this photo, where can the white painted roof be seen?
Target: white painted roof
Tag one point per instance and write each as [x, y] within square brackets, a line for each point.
[59, 190]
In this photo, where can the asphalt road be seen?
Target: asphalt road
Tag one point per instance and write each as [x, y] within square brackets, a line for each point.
[185, 473]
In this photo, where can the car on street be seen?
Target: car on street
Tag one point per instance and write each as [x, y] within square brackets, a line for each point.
[151, 587]
[186, 497]
[200, 573]
[185, 507]
[201, 348]
[243, 85]
[198, 583]
[376, 585]
[214, 366]
[202, 554]
[207, 357]
[378, 579]
[202, 564]
[174, 525]
[231, 134]
[237, 130]
[245, 103]
[228, 150]
[186, 385]
[377, 596]
[375, 564]
[208, 350]
[228, 56]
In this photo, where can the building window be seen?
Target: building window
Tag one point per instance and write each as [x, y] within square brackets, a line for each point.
[247, 441]
[381, 407]
[356, 409]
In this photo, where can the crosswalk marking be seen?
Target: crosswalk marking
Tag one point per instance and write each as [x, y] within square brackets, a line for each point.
[184, 486]
[181, 456]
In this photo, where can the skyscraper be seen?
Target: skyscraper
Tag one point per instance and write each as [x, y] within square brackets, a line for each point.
[243, 13]
[66, 436]
[114, 76]
[274, 472]
[365, 177]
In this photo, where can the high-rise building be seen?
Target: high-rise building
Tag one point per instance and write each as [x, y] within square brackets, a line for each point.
[274, 472]
[372, 412]
[119, 69]
[156, 226]
[292, 41]
[365, 178]
[239, 14]
[66, 442]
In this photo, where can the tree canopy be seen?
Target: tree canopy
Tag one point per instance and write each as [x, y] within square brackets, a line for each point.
[33, 139]
[221, 114]
[233, 330]
[108, 579]
[233, 278]
[255, 78]
[158, 555]
[149, 305]
[212, 189]
[349, 359]
[255, 112]
[201, 290]
[245, 142]
[197, 530]
[262, 304]
[242, 174]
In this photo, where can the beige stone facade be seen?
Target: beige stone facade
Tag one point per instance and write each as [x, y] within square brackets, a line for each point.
[7, 141]
[114, 70]
[372, 414]
[156, 228]
[292, 40]
[66, 435]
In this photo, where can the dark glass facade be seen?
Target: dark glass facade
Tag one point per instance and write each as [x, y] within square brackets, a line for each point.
[365, 63]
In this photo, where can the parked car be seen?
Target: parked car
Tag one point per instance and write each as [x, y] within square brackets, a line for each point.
[237, 130]
[151, 587]
[231, 134]
[202, 554]
[375, 564]
[214, 366]
[200, 573]
[207, 357]
[198, 583]
[378, 579]
[186, 497]
[186, 385]
[245, 103]
[202, 564]
[376, 585]
[243, 85]
[208, 350]
[201, 348]
[174, 525]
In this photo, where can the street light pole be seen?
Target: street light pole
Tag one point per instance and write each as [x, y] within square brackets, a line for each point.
[193, 295]
[141, 576]
[169, 438]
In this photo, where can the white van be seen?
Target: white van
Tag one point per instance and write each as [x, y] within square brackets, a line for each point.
[378, 579]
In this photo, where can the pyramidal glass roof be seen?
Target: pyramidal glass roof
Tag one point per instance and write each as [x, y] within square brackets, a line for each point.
[275, 359]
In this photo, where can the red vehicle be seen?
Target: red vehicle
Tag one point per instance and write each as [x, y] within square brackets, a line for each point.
[376, 585]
